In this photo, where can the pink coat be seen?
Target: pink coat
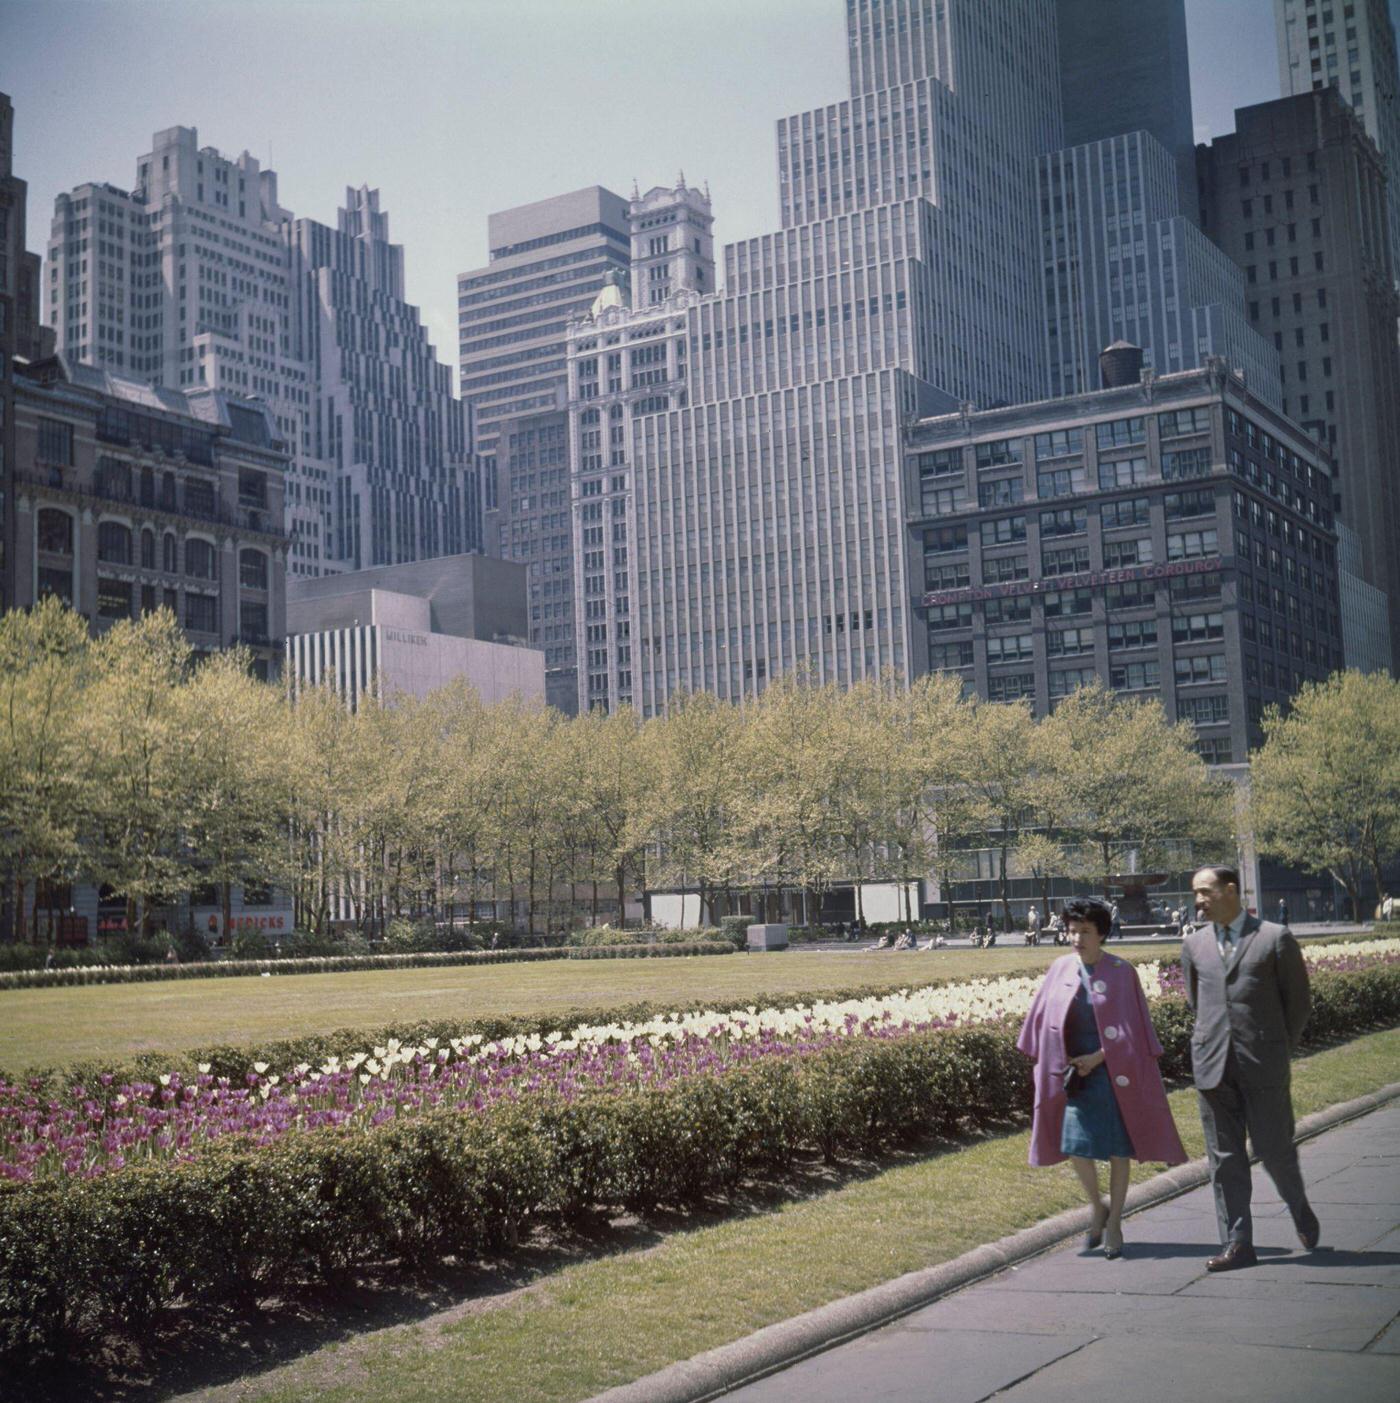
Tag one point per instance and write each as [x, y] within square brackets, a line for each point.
[1130, 1050]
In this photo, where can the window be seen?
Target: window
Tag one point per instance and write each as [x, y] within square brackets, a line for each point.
[1215, 750]
[1187, 504]
[1069, 642]
[947, 655]
[1131, 594]
[1069, 603]
[1001, 492]
[1186, 463]
[1204, 711]
[1122, 472]
[1059, 482]
[1130, 511]
[1135, 677]
[201, 559]
[199, 498]
[1067, 560]
[1135, 550]
[1010, 686]
[55, 532]
[56, 442]
[953, 576]
[114, 480]
[1066, 521]
[252, 569]
[939, 539]
[1176, 422]
[169, 554]
[1197, 628]
[1119, 433]
[252, 489]
[937, 501]
[997, 569]
[944, 463]
[148, 552]
[56, 582]
[1003, 531]
[113, 599]
[1203, 667]
[1192, 545]
[114, 543]
[252, 621]
[1064, 680]
[1059, 443]
[942, 617]
[1132, 633]
[998, 452]
[202, 612]
[1013, 647]
[1012, 609]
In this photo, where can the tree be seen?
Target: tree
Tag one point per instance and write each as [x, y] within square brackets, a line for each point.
[1325, 785]
[144, 762]
[45, 774]
[1131, 787]
[1001, 775]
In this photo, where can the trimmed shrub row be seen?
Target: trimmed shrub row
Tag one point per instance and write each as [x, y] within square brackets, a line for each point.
[326, 964]
[87, 1259]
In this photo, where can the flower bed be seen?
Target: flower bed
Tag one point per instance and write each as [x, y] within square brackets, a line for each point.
[327, 964]
[428, 1156]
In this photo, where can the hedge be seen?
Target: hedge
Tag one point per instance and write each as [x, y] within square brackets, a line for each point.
[85, 1260]
[327, 964]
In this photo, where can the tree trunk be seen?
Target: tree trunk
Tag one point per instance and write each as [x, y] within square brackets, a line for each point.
[621, 873]
[226, 903]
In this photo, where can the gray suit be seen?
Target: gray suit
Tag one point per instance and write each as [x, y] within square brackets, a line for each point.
[1249, 1018]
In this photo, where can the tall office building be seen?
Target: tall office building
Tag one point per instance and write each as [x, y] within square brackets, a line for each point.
[548, 260]
[1350, 47]
[1297, 197]
[189, 279]
[626, 364]
[1124, 68]
[1122, 262]
[768, 506]
[405, 480]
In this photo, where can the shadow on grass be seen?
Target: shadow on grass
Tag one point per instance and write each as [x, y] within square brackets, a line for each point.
[199, 1347]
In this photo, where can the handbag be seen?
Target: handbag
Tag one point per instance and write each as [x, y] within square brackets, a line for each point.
[1073, 1083]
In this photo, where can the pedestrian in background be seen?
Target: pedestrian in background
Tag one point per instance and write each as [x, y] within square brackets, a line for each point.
[1248, 987]
[1283, 910]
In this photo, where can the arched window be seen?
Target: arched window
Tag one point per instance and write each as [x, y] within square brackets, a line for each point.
[148, 549]
[252, 569]
[55, 532]
[201, 561]
[148, 488]
[114, 542]
[170, 554]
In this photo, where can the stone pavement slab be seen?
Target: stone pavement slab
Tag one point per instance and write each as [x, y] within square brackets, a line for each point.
[1154, 1324]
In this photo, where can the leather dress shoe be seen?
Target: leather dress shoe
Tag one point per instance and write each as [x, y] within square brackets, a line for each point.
[1309, 1229]
[1235, 1256]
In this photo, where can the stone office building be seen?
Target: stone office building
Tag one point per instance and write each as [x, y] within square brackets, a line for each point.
[1171, 536]
[130, 498]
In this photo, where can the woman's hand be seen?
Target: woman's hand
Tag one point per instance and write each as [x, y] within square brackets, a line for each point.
[1086, 1064]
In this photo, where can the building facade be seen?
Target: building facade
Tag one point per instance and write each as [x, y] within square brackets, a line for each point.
[1172, 537]
[199, 276]
[130, 498]
[1348, 45]
[408, 630]
[1297, 197]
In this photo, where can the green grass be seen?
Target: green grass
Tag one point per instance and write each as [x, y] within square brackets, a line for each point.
[56, 1026]
[602, 1322]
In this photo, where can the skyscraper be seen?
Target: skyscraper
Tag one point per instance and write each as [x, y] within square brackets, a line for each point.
[1350, 47]
[1297, 197]
[189, 279]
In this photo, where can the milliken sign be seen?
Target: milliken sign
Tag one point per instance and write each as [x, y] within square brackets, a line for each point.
[1087, 580]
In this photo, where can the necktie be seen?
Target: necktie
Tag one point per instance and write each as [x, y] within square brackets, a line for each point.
[1224, 939]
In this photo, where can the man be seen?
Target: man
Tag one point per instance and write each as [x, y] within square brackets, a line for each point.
[1248, 987]
[1033, 926]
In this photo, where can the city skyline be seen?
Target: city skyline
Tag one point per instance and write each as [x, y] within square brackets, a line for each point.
[319, 146]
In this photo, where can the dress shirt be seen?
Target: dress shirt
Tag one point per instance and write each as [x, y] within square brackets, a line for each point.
[1227, 937]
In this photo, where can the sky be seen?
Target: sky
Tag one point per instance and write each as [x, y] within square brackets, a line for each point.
[457, 108]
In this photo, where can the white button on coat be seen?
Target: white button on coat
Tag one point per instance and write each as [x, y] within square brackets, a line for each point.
[1120, 1080]
[1110, 1032]
[1099, 987]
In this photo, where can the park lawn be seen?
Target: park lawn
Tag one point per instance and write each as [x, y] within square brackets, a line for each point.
[603, 1322]
[52, 1027]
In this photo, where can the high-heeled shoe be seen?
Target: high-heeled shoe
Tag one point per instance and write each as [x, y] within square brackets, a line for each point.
[1094, 1236]
[1112, 1243]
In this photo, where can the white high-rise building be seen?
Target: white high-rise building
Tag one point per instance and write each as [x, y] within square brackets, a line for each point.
[194, 277]
[1348, 45]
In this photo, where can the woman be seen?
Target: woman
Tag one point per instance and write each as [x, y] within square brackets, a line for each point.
[1090, 1014]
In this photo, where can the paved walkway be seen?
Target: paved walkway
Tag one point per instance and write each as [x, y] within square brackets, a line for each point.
[1154, 1325]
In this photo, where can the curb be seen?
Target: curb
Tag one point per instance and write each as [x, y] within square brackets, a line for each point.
[717, 1371]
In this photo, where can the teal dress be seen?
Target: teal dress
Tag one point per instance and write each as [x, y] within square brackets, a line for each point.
[1093, 1126]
